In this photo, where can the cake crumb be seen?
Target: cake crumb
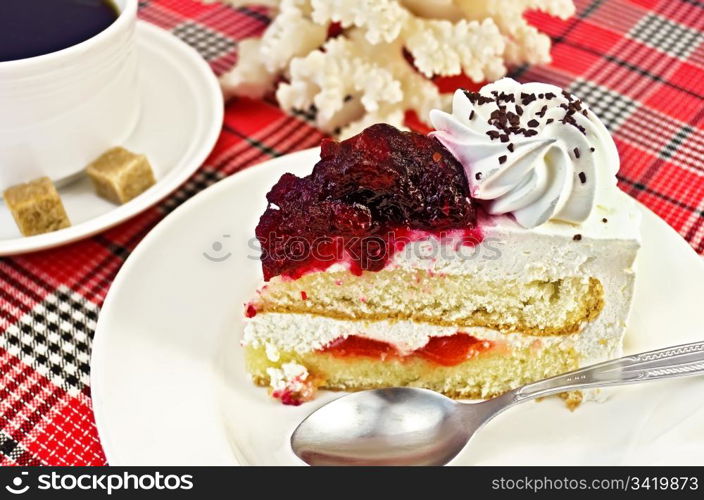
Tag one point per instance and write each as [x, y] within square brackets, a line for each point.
[36, 207]
[292, 384]
[572, 399]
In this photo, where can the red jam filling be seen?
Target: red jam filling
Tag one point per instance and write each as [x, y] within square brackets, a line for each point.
[453, 349]
[365, 199]
[360, 346]
[447, 351]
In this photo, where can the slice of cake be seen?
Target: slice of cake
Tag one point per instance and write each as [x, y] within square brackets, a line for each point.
[491, 253]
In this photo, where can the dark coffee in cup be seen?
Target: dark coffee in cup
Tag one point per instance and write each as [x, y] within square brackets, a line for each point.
[31, 28]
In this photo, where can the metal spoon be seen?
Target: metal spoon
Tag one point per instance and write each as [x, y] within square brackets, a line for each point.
[407, 426]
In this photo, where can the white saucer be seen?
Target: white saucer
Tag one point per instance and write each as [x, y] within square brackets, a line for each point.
[182, 114]
[169, 386]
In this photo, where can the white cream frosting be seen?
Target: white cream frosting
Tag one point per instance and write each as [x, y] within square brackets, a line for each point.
[531, 150]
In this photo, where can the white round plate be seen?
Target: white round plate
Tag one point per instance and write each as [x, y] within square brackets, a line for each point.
[169, 386]
[181, 118]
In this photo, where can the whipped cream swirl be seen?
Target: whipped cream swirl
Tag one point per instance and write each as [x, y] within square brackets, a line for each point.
[531, 150]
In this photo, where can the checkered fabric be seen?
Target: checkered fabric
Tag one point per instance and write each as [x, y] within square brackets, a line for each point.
[638, 63]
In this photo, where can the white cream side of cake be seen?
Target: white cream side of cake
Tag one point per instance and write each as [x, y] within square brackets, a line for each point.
[606, 251]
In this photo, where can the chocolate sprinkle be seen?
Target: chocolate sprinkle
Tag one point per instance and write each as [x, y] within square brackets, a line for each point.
[604, 220]
[510, 147]
[477, 98]
[527, 98]
[591, 149]
[499, 118]
[493, 134]
[576, 152]
[502, 159]
[513, 119]
[569, 119]
[503, 96]
[571, 108]
[478, 175]
[582, 177]
[577, 237]
[507, 122]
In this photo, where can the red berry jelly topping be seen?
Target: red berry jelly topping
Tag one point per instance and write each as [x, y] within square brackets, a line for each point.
[447, 351]
[250, 311]
[361, 194]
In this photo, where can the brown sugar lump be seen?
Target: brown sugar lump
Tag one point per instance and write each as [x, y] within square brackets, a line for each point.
[36, 207]
[119, 175]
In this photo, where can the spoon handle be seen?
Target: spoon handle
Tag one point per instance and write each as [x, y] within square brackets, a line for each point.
[677, 361]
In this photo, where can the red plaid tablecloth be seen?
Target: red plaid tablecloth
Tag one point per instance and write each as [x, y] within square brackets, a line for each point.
[638, 63]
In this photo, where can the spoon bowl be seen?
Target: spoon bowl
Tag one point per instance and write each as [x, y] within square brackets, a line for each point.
[408, 426]
[396, 426]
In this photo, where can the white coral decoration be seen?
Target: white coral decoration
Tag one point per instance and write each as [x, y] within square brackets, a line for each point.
[362, 76]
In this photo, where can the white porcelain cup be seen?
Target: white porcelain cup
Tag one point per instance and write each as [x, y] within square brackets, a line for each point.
[61, 110]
